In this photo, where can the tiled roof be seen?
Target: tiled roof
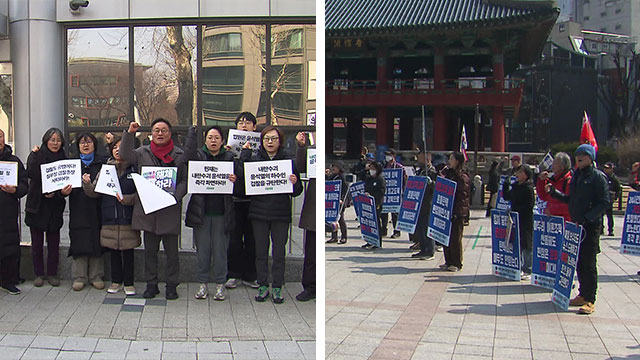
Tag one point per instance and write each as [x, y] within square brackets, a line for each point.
[345, 15]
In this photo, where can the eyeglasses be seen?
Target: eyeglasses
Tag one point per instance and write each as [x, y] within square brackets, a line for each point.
[270, 138]
[245, 122]
[86, 142]
[160, 131]
[214, 138]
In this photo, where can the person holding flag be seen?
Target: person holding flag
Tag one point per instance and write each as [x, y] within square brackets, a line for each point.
[463, 144]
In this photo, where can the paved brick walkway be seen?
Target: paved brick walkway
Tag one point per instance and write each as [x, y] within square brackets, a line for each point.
[59, 323]
[384, 305]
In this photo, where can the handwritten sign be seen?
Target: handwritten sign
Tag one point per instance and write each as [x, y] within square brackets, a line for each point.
[567, 265]
[210, 177]
[152, 197]
[9, 173]
[332, 200]
[548, 232]
[505, 244]
[108, 182]
[393, 192]
[166, 178]
[268, 177]
[368, 220]
[631, 231]
[237, 139]
[59, 174]
[442, 211]
[311, 163]
[412, 203]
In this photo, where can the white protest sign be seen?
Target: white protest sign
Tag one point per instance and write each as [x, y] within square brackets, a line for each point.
[268, 177]
[210, 177]
[151, 196]
[237, 138]
[311, 163]
[164, 177]
[59, 174]
[108, 182]
[409, 170]
[9, 173]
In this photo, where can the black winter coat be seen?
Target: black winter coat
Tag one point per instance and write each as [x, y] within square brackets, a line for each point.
[196, 208]
[273, 207]
[85, 217]
[461, 198]
[376, 186]
[588, 196]
[494, 180]
[522, 201]
[308, 213]
[42, 213]
[10, 205]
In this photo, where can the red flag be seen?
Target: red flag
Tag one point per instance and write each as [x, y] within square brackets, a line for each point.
[586, 134]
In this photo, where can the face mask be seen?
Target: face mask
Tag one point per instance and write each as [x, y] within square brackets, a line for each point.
[373, 172]
[388, 158]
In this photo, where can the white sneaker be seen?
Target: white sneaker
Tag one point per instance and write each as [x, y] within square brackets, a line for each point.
[130, 290]
[114, 288]
[252, 284]
[219, 295]
[232, 283]
[202, 292]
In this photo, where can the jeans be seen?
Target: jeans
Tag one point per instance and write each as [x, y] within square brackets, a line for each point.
[37, 251]
[151, 248]
[122, 266]
[274, 233]
[211, 240]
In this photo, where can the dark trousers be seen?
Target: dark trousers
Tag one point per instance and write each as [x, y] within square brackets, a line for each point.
[242, 245]
[385, 222]
[343, 227]
[309, 270]
[151, 248]
[587, 269]
[453, 252]
[276, 234]
[427, 245]
[380, 234]
[37, 251]
[122, 267]
[609, 213]
[10, 265]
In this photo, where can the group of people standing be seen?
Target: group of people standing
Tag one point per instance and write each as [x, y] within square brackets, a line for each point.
[236, 230]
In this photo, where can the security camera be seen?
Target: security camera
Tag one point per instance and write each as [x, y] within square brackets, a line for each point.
[75, 5]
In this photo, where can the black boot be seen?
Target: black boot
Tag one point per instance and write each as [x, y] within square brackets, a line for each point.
[170, 292]
[151, 291]
[334, 238]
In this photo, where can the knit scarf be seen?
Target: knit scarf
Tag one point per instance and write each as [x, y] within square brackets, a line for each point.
[88, 158]
[162, 152]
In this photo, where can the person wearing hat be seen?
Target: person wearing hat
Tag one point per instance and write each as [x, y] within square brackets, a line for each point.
[337, 173]
[615, 190]
[391, 163]
[588, 198]
[516, 161]
[522, 200]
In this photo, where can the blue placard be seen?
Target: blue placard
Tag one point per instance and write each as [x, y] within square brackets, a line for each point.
[631, 231]
[412, 203]
[393, 192]
[355, 189]
[332, 200]
[368, 219]
[442, 210]
[505, 244]
[503, 204]
[567, 265]
[548, 232]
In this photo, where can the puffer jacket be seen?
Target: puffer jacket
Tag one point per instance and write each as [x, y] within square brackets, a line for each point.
[116, 232]
[555, 207]
[589, 196]
[272, 207]
[10, 205]
[85, 217]
[461, 198]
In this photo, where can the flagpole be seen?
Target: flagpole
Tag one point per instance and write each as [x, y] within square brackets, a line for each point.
[476, 123]
[424, 131]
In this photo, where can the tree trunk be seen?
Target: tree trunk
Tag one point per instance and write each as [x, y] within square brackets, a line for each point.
[184, 74]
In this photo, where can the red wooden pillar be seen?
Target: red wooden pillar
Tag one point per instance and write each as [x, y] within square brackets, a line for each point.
[439, 112]
[498, 130]
[384, 126]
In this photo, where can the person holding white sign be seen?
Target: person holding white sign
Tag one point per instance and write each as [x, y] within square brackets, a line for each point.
[44, 211]
[242, 247]
[9, 231]
[270, 217]
[211, 216]
[116, 233]
[162, 225]
[87, 265]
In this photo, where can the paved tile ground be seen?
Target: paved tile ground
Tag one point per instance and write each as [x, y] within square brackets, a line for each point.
[59, 323]
[383, 305]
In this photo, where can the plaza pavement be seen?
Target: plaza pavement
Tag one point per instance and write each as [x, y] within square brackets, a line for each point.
[59, 323]
[381, 304]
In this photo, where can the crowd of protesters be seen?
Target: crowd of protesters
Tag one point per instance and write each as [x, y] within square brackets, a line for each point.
[234, 231]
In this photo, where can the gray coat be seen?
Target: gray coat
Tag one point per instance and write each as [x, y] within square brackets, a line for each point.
[308, 213]
[165, 221]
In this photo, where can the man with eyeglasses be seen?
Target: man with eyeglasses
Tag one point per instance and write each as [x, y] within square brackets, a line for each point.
[162, 225]
[242, 247]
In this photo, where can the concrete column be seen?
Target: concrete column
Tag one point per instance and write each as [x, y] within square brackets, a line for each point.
[37, 55]
[440, 128]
